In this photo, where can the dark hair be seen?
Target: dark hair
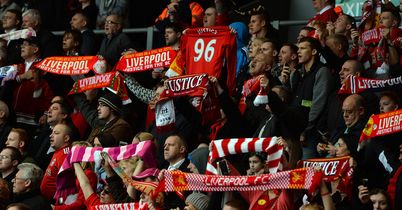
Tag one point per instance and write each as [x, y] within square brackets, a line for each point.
[293, 47]
[18, 15]
[351, 20]
[77, 36]
[261, 155]
[307, 28]
[394, 11]
[393, 96]
[236, 204]
[64, 106]
[383, 192]
[15, 154]
[342, 40]
[175, 26]
[314, 43]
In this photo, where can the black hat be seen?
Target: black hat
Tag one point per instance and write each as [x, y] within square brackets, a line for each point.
[111, 100]
[32, 40]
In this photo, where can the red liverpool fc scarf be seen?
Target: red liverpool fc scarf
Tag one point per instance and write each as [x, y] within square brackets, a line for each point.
[72, 65]
[150, 59]
[301, 178]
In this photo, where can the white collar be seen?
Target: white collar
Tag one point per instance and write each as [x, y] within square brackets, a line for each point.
[176, 165]
[328, 7]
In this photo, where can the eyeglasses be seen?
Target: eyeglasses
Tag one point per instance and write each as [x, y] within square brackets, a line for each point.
[111, 22]
[4, 157]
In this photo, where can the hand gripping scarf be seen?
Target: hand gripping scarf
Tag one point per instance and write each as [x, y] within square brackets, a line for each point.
[224, 147]
[19, 34]
[149, 188]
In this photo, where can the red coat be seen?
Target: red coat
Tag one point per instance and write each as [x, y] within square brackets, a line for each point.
[48, 185]
[325, 17]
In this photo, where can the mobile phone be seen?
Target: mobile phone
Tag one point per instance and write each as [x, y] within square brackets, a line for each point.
[223, 166]
[364, 181]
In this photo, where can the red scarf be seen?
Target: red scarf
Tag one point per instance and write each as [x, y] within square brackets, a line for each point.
[72, 65]
[150, 59]
[250, 86]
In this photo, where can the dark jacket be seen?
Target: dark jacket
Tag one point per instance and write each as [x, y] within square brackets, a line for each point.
[112, 48]
[172, 200]
[33, 199]
[89, 45]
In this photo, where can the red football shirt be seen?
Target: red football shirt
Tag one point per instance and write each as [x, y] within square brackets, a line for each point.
[208, 50]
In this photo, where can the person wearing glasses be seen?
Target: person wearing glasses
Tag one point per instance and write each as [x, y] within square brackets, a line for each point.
[26, 186]
[10, 157]
[115, 41]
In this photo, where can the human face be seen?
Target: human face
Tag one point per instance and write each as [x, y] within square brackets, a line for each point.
[305, 53]
[78, 22]
[379, 201]
[319, 4]
[58, 138]
[28, 50]
[255, 164]
[20, 185]
[5, 160]
[285, 55]
[171, 37]
[256, 24]
[303, 33]
[155, 99]
[258, 65]
[13, 140]
[9, 20]
[55, 114]
[341, 149]
[387, 20]
[112, 25]
[28, 22]
[267, 48]
[172, 149]
[351, 112]
[346, 70]
[104, 111]
[97, 142]
[387, 104]
[333, 45]
[105, 196]
[210, 17]
[341, 24]
[69, 43]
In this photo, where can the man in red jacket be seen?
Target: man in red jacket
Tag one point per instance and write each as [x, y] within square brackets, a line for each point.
[60, 141]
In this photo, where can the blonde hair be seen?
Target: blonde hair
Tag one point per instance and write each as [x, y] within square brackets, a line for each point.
[143, 136]
[129, 163]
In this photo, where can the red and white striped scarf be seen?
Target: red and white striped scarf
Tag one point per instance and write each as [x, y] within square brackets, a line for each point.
[86, 154]
[301, 178]
[355, 84]
[130, 206]
[224, 147]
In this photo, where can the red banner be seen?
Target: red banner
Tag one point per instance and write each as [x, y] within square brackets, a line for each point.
[114, 81]
[333, 168]
[355, 84]
[382, 124]
[142, 61]
[120, 206]
[192, 85]
[72, 65]
[302, 178]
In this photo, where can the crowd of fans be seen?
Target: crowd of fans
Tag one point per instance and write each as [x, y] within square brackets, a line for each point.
[280, 88]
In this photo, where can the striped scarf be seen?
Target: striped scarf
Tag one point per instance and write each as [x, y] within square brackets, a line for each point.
[19, 34]
[355, 84]
[86, 154]
[224, 147]
[301, 178]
